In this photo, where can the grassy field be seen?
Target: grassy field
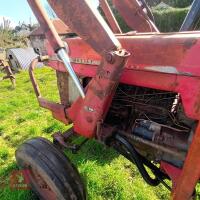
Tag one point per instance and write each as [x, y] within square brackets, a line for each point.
[106, 174]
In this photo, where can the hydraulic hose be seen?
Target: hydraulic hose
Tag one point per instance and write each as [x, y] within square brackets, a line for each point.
[138, 160]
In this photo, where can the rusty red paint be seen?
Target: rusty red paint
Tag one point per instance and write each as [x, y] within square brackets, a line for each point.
[84, 21]
[172, 171]
[58, 110]
[162, 61]
[147, 50]
[98, 96]
[183, 59]
[158, 50]
[191, 171]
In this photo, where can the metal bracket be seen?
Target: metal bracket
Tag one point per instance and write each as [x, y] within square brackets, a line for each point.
[63, 141]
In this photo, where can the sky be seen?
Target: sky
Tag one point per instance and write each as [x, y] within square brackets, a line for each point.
[19, 11]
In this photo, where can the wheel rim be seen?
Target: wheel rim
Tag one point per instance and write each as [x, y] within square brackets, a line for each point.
[40, 185]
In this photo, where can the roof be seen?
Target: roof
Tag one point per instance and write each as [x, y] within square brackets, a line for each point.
[22, 57]
[23, 33]
[60, 26]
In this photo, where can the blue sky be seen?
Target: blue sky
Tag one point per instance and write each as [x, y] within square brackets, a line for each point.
[19, 10]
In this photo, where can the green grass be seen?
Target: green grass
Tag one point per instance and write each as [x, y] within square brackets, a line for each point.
[106, 174]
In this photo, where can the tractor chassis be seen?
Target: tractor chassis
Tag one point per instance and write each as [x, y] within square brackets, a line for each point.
[163, 62]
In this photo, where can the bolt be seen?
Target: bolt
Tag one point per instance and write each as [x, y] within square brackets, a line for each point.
[110, 58]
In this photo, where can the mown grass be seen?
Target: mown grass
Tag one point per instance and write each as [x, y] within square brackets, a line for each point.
[106, 174]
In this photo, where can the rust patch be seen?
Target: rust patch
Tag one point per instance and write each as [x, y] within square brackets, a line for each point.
[106, 92]
[175, 83]
[5, 68]
[197, 107]
[189, 43]
[197, 104]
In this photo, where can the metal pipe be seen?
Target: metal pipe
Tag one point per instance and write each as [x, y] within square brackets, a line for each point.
[33, 79]
[65, 58]
[192, 17]
[46, 24]
[55, 40]
[83, 19]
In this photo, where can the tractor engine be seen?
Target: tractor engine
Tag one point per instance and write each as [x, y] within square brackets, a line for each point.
[154, 122]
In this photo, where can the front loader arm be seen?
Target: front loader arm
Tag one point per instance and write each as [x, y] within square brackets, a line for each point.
[56, 43]
[83, 19]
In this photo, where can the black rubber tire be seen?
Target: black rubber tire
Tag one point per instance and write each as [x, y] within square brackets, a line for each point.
[53, 167]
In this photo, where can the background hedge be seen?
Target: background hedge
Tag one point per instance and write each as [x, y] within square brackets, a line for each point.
[173, 3]
[167, 20]
[171, 19]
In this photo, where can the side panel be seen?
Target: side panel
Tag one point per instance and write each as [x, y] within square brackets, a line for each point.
[165, 61]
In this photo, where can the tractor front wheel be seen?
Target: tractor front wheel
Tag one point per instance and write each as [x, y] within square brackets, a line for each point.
[50, 173]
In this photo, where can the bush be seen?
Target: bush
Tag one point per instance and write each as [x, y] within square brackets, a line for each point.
[167, 20]
[8, 39]
[170, 19]
[179, 3]
[173, 3]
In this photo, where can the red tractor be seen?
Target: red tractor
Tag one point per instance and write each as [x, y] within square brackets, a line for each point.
[138, 92]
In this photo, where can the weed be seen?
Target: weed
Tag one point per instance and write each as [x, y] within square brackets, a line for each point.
[3, 153]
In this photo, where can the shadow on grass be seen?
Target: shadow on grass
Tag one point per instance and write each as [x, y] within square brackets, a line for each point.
[10, 87]
[93, 151]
